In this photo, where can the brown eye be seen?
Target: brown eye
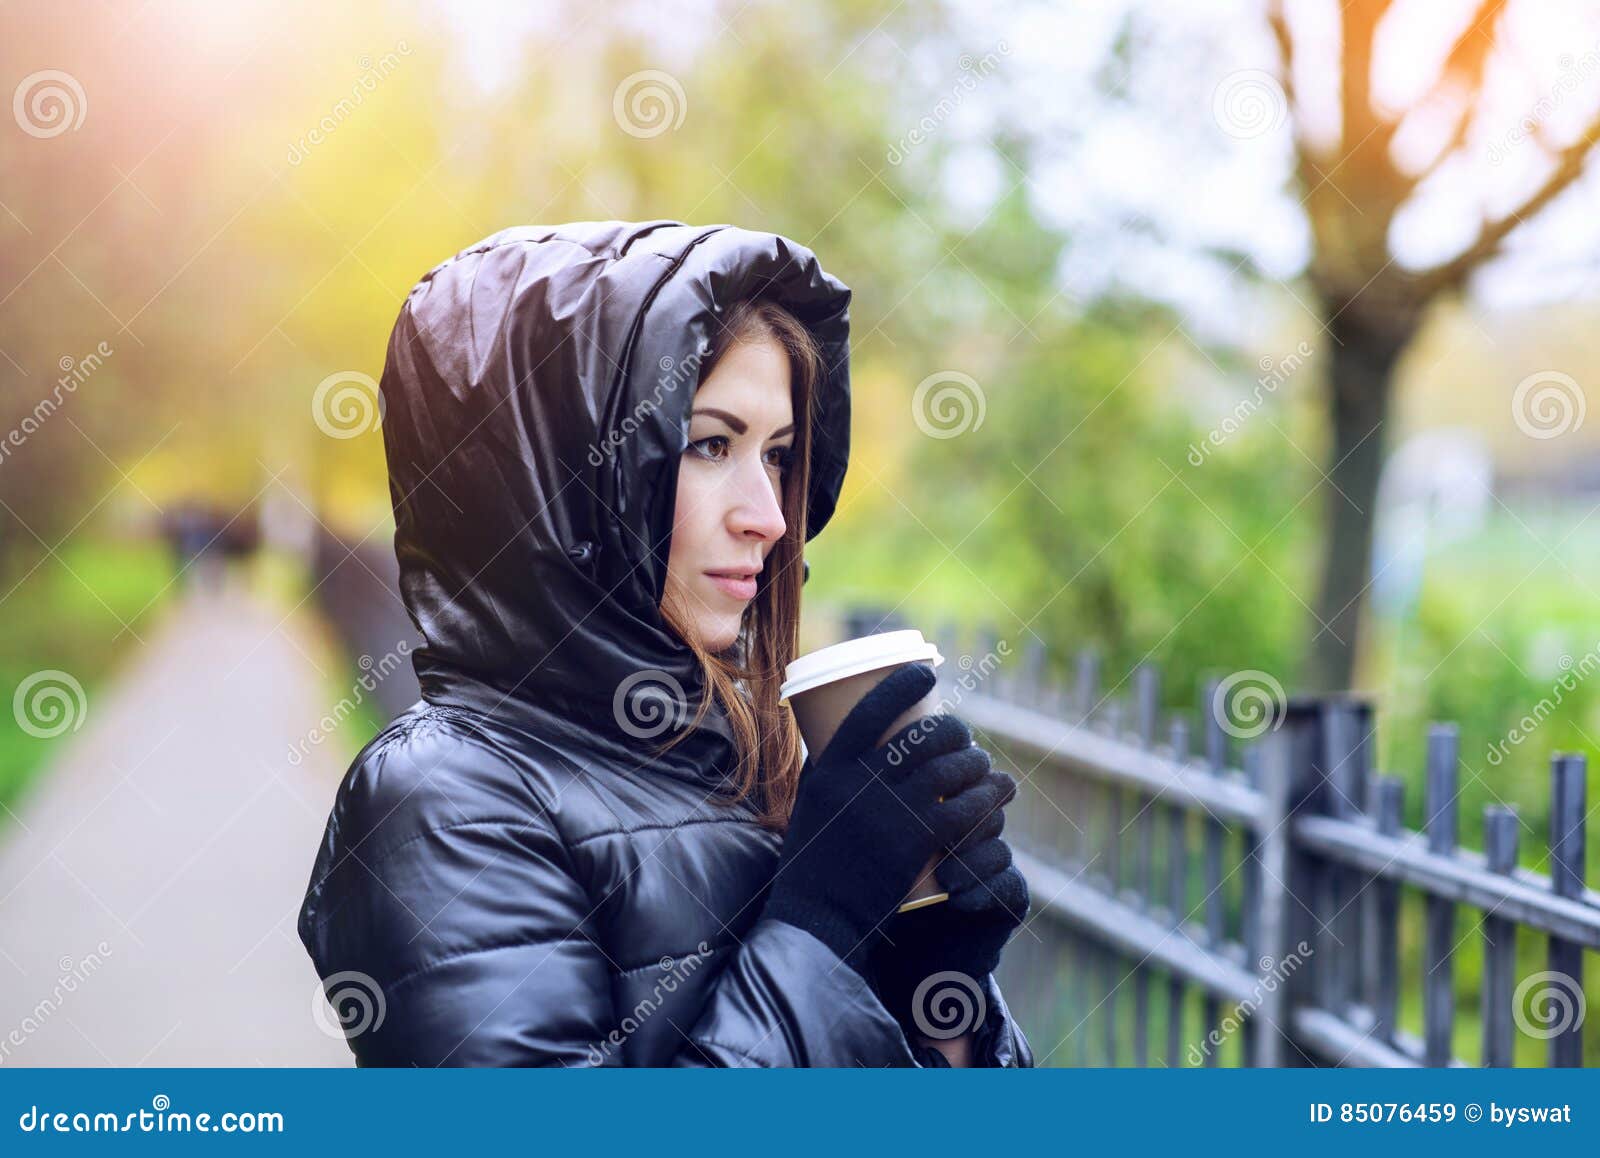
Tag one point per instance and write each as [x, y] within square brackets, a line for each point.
[700, 446]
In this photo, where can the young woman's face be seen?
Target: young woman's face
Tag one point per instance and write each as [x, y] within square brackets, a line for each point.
[728, 513]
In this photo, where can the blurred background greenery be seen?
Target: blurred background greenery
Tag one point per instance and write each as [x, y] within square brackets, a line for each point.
[1166, 287]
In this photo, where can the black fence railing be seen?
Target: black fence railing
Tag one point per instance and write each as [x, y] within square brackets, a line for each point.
[1193, 908]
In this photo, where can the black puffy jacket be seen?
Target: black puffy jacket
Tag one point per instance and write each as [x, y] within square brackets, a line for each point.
[507, 877]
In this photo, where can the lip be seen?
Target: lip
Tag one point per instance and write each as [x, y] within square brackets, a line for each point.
[742, 589]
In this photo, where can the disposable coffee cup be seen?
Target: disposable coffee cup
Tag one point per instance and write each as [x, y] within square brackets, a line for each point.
[822, 686]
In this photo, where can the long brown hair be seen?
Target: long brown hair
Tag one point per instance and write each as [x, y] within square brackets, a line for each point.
[744, 678]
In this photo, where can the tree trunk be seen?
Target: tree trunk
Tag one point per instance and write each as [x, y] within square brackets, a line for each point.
[1360, 383]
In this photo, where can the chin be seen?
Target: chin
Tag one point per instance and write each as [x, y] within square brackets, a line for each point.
[720, 636]
[717, 633]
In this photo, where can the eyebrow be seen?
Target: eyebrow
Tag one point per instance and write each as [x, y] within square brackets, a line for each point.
[737, 423]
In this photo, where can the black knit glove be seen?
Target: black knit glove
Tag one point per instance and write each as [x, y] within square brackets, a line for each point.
[867, 819]
[946, 950]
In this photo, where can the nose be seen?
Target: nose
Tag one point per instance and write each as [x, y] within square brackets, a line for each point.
[757, 511]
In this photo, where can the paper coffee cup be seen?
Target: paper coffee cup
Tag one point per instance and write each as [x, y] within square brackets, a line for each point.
[824, 685]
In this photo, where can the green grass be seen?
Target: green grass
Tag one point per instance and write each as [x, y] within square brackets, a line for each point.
[69, 614]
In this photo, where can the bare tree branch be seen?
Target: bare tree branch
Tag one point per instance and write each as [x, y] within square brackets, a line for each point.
[1463, 67]
[1569, 165]
[1280, 33]
[1358, 26]
[1451, 148]
[1470, 53]
[1306, 156]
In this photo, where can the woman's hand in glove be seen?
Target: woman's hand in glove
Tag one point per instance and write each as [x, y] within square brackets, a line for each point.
[868, 817]
[963, 935]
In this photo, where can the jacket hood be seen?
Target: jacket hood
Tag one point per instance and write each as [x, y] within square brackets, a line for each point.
[536, 399]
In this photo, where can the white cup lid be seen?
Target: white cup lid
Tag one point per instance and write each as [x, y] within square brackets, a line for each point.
[854, 656]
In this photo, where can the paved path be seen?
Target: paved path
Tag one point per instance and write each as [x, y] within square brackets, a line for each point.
[150, 880]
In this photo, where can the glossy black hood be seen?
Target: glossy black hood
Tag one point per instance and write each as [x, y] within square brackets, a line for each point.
[536, 400]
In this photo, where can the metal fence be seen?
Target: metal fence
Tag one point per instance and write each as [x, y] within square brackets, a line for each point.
[1231, 896]
[1235, 896]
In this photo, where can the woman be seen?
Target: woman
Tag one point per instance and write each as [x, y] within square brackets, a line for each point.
[590, 843]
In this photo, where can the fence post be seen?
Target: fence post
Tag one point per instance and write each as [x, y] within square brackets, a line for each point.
[1347, 758]
[1564, 986]
[1499, 941]
[1382, 932]
[1292, 782]
[1440, 824]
